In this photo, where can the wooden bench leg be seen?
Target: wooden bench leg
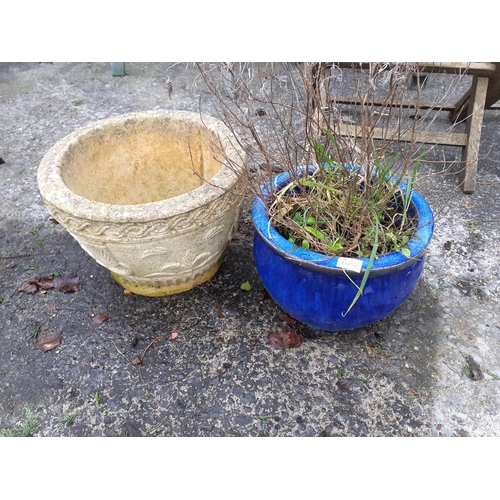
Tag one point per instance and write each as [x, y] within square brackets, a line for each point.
[461, 108]
[470, 153]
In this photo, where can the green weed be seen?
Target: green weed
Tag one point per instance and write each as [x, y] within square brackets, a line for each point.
[27, 429]
[346, 212]
[34, 333]
[246, 286]
[155, 429]
[67, 419]
[56, 273]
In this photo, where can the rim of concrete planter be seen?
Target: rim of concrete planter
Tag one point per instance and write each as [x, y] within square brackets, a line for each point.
[56, 192]
[109, 185]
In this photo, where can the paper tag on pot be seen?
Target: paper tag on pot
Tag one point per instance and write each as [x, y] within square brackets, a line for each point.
[350, 264]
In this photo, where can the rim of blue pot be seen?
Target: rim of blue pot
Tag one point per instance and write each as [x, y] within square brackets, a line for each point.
[417, 244]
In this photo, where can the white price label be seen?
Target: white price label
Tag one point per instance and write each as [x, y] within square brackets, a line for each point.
[350, 264]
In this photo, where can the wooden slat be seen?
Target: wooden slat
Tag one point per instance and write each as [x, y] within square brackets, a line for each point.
[484, 93]
[445, 106]
[470, 68]
[420, 136]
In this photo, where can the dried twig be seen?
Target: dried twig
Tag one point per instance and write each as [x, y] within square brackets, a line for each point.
[118, 350]
[219, 308]
[278, 112]
[15, 256]
[170, 88]
[149, 345]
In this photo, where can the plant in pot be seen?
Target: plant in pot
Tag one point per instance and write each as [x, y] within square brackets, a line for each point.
[340, 232]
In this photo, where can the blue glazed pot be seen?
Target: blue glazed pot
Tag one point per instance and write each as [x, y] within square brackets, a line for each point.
[314, 289]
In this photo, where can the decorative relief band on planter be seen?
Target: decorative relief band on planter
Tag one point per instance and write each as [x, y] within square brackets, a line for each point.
[149, 196]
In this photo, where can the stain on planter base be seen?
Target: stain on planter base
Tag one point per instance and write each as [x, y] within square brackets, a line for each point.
[160, 290]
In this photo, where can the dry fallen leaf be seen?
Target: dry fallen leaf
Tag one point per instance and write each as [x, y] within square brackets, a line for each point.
[288, 320]
[411, 393]
[66, 283]
[99, 318]
[284, 339]
[128, 292]
[137, 360]
[370, 350]
[48, 341]
[174, 335]
[45, 283]
[345, 384]
[29, 287]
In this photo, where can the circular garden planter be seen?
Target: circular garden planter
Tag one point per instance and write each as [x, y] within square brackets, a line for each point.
[150, 196]
[318, 290]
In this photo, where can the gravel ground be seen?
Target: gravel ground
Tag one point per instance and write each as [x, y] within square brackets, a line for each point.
[432, 368]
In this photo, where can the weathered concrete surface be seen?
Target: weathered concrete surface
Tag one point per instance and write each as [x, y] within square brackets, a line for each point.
[148, 196]
[407, 374]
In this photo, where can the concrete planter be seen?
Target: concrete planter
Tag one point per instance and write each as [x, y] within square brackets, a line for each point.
[148, 195]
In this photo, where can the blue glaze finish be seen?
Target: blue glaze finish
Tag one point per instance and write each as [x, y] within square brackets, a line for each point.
[313, 289]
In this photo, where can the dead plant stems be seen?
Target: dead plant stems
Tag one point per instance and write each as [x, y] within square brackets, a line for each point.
[288, 116]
